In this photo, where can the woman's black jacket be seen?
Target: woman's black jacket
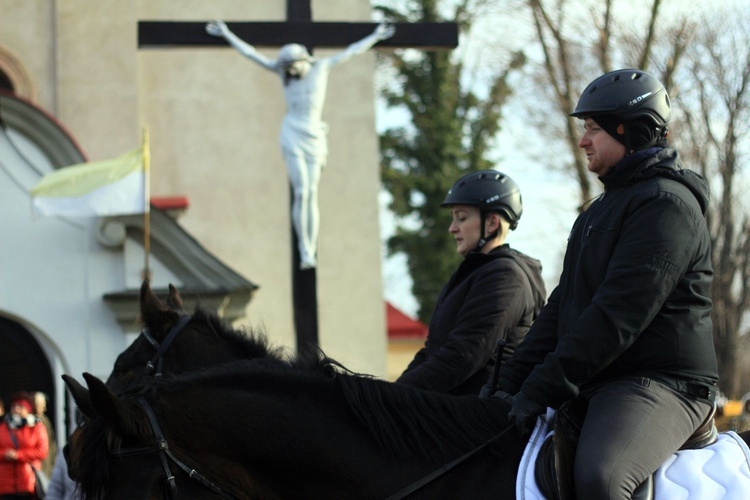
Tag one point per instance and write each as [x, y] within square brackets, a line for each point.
[490, 296]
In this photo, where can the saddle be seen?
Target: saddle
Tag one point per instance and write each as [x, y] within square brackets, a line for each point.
[554, 465]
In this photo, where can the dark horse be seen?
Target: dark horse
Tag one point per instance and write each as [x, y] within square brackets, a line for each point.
[173, 341]
[272, 427]
[289, 430]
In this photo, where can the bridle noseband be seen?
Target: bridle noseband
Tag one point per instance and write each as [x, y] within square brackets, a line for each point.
[161, 348]
[162, 447]
[165, 455]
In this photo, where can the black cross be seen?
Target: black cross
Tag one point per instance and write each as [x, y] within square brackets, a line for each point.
[299, 28]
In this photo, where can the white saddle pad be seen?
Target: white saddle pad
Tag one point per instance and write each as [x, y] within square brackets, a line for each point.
[719, 471]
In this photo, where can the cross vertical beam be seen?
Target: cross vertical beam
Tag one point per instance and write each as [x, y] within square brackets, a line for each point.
[298, 11]
[304, 283]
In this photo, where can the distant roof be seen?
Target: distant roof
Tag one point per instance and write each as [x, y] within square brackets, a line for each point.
[402, 327]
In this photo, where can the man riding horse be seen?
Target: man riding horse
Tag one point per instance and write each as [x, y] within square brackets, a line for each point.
[628, 329]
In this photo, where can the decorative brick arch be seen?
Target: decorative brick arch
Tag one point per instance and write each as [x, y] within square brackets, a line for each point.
[14, 70]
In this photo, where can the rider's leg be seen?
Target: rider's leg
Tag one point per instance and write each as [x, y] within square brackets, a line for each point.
[632, 427]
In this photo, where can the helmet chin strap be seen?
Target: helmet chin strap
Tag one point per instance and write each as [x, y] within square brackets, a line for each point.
[484, 239]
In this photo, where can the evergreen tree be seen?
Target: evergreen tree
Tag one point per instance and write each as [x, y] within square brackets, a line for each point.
[450, 134]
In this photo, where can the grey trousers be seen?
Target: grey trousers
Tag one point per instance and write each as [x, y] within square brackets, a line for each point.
[632, 426]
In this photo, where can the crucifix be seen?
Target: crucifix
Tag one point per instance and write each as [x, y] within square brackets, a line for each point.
[297, 37]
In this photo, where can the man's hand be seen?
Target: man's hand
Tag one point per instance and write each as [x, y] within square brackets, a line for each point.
[524, 412]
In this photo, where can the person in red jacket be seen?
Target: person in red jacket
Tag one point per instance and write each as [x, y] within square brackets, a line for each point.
[23, 444]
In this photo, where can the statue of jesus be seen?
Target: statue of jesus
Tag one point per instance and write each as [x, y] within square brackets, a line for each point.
[303, 132]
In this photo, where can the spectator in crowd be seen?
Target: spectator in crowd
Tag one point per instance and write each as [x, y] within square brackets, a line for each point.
[40, 410]
[23, 445]
[61, 487]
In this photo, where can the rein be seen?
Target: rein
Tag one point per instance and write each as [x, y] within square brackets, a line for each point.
[165, 454]
[161, 349]
[408, 490]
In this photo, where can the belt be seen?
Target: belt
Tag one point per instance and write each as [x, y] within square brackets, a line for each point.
[696, 390]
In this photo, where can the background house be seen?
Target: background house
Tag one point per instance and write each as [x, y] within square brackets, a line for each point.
[406, 336]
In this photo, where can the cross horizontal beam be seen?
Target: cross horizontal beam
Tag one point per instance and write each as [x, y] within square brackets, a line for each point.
[424, 36]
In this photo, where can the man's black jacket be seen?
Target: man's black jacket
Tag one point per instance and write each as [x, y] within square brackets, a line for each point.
[634, 297]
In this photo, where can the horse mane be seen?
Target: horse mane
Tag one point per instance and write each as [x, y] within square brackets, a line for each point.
[407, 421]
[403, 421]
[249, 344]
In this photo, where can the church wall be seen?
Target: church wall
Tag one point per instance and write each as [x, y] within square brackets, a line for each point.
[97, 93]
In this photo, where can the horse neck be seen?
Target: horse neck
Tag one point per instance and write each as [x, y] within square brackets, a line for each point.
[274, 427]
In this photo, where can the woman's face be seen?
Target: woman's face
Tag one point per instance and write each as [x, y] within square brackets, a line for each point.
[20, 410]
[465, 228]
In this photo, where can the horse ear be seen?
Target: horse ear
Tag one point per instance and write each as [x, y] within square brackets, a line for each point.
[154, 313]
[174, 301]
[119, 413]
[80, 395]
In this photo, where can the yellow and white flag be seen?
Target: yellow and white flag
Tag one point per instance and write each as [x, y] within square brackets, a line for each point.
[94, 189]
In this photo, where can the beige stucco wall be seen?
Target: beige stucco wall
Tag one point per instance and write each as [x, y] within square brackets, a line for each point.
[214, 118]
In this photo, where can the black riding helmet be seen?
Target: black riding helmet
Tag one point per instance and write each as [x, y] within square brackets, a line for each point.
[490, 191]
[630, 97]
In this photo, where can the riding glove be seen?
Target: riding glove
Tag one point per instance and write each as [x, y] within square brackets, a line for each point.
[524, 412]
[486, 391]
[500, 394]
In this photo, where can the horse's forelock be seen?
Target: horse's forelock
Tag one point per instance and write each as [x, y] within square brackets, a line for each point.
[94, 443]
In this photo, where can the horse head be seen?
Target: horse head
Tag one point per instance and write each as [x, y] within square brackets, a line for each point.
[174, 341]
[110, 423]
[120, 452]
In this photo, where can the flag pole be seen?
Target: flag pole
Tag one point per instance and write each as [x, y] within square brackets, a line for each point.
[146, 204]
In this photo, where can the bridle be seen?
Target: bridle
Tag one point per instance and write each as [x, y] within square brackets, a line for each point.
[155, 364]
[165, 455]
